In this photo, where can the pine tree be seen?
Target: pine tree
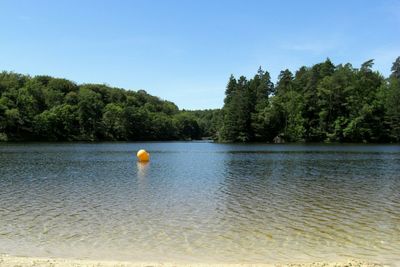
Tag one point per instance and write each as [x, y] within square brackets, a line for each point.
[396, 68]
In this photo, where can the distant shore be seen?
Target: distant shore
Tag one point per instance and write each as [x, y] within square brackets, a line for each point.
[12, 261]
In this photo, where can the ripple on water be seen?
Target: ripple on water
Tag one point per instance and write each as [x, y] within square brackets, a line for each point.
[201, 202]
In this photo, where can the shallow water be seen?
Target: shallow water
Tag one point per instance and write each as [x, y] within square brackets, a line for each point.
[201, 202]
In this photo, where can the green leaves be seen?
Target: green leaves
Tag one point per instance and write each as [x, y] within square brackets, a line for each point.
[53, 109]
[322, 103]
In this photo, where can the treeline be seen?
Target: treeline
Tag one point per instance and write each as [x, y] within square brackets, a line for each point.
[322, 103]
[53, 109]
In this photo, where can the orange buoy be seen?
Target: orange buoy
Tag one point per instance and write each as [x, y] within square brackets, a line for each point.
[143, 155]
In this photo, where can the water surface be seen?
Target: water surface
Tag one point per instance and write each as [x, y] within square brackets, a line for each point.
[201, 202]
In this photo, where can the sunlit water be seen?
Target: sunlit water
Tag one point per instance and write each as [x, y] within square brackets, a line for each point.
[201, 202]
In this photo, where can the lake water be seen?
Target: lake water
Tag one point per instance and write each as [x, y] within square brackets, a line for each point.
[201, 202]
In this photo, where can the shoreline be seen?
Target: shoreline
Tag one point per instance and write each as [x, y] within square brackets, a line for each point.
[19, 261]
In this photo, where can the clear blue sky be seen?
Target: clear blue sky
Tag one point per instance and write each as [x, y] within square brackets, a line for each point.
[184, 51]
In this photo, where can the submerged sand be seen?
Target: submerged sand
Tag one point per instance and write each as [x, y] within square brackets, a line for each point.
[11, 261]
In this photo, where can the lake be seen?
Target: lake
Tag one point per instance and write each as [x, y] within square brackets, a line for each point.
[201, 202]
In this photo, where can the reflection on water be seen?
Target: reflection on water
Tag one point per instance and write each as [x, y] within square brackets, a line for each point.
[201, 202]
[142, 169]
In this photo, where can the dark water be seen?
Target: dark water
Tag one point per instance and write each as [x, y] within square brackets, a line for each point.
[201, 202]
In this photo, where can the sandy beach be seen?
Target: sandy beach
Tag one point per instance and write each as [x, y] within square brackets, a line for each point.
[12, 261]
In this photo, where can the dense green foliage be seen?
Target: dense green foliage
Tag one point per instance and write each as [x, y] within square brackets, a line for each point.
[322, 103]
[52, 109]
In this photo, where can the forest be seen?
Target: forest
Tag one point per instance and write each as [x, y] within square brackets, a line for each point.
[43, 108]
[321, 103]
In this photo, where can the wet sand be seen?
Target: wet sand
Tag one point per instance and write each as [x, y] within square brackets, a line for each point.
[12, 261]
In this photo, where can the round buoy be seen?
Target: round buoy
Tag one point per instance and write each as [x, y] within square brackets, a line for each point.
[143, 155]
